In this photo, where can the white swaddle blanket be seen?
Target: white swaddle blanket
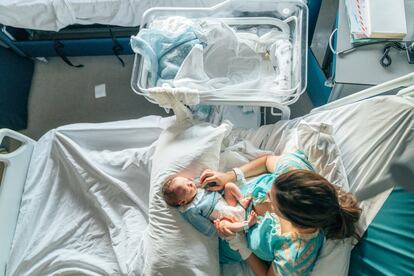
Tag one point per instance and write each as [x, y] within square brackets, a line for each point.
[236, 60]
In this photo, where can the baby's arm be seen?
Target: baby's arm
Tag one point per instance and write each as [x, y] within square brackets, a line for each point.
[199, 222]
[239, 226]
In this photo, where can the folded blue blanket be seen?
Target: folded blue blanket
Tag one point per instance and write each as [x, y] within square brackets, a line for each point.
[164, 52]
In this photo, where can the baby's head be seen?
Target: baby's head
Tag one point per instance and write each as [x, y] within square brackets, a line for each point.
[179, 191]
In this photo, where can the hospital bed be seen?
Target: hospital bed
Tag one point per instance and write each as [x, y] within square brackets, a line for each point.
[56, 15]
[73, 203]
[65, 28]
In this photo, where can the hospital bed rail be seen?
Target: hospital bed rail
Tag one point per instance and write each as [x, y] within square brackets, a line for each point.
[405, 83]
[16, 165]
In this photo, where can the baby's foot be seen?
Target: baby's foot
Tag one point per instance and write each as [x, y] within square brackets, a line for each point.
[252, 219]
[245, 202]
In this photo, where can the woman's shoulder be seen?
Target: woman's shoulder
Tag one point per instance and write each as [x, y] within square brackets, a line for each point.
[296, 159]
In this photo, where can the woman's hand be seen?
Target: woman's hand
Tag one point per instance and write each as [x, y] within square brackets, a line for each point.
[220, 178]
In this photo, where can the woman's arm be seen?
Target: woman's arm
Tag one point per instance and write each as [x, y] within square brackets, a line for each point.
[258, 166]
[260, 267]
[202, 224]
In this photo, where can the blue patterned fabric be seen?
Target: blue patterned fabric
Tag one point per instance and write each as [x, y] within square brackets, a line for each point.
[291, 254]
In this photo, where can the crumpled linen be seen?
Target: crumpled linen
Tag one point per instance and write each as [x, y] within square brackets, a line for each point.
[164, 52]
[237, 61]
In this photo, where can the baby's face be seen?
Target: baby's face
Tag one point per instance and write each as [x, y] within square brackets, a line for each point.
[185, 189]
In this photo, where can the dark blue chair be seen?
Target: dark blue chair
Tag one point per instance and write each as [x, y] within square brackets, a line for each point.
[316, 88]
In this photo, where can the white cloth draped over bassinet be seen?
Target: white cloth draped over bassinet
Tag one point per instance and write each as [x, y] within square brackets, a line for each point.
[219, 60]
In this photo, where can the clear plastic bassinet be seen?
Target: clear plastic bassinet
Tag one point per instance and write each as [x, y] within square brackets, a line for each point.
[254, 18]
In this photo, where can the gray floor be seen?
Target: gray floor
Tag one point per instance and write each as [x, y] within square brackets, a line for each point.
[61, 94]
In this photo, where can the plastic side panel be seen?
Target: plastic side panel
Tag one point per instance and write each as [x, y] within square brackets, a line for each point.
[387, 248]
[11, 189]
[317, 90]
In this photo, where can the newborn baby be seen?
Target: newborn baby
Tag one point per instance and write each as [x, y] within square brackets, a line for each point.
[201, 207]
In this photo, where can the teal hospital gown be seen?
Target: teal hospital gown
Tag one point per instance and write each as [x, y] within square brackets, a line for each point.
[290, 253]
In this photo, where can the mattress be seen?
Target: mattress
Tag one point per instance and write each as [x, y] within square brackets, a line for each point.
[53, 15]
[387, 246]
[85, 203]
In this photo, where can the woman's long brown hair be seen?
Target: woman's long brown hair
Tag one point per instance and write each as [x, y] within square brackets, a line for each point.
[309, 201]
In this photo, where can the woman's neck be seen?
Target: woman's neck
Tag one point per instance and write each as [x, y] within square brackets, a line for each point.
[286, 225]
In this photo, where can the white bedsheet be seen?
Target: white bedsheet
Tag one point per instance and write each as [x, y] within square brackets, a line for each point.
[85, 206]
[53, 15]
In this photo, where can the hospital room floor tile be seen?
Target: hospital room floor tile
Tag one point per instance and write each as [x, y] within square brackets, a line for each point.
[61, 95]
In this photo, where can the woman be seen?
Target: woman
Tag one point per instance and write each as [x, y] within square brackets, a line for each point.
[297, 208]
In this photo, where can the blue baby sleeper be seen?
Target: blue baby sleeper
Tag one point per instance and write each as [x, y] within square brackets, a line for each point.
[198, 211]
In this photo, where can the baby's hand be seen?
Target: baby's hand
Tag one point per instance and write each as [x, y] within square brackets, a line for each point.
[252, 219]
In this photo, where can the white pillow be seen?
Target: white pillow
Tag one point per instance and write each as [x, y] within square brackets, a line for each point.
[317, 141]
[314, 138]
[239, 154]
[170, 245]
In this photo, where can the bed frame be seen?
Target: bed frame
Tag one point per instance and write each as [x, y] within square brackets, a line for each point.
[17, 162]
[16, 165]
